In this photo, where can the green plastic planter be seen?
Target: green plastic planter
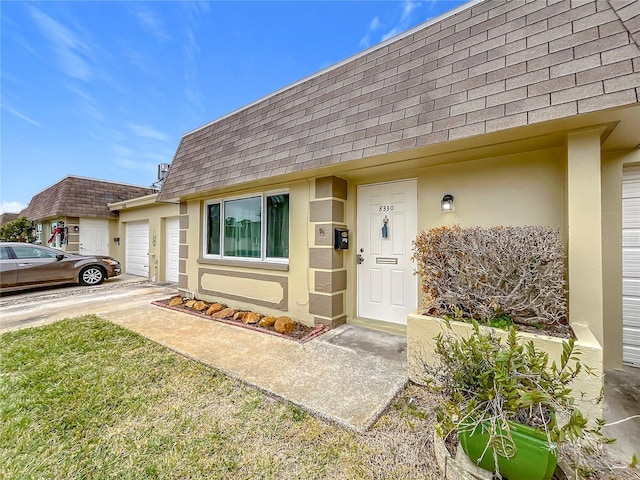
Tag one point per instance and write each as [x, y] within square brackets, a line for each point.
[532, 458]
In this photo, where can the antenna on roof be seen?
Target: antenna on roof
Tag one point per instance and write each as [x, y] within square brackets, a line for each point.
[163, 170]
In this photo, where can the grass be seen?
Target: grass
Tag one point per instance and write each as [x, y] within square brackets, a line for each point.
[86, 399]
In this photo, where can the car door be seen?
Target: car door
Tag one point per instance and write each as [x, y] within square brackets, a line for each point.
[37, 265]
[8, 268]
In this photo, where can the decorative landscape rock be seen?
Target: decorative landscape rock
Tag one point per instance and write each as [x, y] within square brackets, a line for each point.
[200, 305]
[214, 308]
[267, 321]
[284, 324]
[175, 301]
[251, 318]
[254, 320]
[226, 313]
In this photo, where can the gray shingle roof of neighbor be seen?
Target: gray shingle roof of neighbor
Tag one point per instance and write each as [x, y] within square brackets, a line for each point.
[80, 197]
[8, 217]
[484, 67]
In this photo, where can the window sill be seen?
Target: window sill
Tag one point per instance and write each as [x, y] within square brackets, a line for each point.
[225, 262]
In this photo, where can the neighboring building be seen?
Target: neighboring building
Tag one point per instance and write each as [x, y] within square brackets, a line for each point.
[8, 217]
[526, 113]
[147, 238]
[73, 214]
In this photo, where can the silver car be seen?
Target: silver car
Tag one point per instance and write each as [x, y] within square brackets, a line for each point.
[24, 265]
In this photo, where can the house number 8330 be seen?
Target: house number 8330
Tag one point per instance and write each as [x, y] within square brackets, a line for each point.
[385, 208]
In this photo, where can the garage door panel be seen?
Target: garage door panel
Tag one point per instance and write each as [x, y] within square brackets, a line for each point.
[137, 248]
[631, 265]
[631, 311]
[172, 247]
[631, 355]
[631, 238]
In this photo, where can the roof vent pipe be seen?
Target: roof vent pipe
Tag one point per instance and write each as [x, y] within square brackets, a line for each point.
[163, 169]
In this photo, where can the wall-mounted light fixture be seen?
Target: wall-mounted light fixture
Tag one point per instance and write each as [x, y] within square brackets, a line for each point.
[117, 240]
[446, 205]
[76, 228]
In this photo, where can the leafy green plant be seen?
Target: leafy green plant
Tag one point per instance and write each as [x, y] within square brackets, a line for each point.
[487, 383]
[18, 230]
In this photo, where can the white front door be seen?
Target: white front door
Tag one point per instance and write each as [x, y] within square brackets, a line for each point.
[631, 266]
[173, 234]
[94, 237]
[137, 248]
[387, 224]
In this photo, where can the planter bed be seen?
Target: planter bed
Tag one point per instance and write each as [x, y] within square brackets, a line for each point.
[422, 330]
[301, 333]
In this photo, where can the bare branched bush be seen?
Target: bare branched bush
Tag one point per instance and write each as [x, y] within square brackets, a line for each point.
[483, 273]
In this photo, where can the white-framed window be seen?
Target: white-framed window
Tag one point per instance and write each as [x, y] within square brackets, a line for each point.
[55, 240]
[236, 228]
[38, 233]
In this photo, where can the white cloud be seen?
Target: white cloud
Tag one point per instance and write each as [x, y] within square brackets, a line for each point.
[408, 7]
[11, 207]
[391, 33]
[374, 25]
[148, 132]
[151, 22]
[71, 51]
[192, 90]
[21, 115]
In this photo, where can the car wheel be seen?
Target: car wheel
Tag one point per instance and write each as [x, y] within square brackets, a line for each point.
[91, 276]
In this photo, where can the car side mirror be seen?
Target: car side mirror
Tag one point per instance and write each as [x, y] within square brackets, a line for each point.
[59, 256]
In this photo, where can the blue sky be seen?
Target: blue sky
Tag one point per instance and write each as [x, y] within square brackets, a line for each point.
[106, 89]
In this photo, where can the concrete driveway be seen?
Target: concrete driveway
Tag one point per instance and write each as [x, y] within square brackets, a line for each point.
[33, 308]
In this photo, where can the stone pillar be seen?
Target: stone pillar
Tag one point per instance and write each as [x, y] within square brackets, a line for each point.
[584, 219]
[327, 212]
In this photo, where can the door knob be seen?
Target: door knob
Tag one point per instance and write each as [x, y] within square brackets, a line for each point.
[359, 259]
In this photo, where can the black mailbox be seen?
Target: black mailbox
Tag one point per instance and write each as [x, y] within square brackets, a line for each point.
[341, 239]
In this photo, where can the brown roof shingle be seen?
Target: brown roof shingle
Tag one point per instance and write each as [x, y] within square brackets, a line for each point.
[490, 66]
[80, 197]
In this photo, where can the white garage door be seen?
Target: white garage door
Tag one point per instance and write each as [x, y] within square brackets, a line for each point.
[631, 266]
[137, 248]
[173, 233]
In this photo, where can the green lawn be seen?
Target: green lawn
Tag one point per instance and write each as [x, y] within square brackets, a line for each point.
[85, 399]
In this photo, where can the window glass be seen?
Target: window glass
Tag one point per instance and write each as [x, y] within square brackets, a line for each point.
[4, 253]
[278, 226]
[55, 240]
[32, 252]
[213, 229]
[242, 228]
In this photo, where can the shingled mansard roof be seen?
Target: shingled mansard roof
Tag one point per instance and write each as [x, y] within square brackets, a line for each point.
[80, 197]
[484, 67]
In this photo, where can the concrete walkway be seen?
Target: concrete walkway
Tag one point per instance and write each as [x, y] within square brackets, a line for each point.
[347, 376]
[341, 380]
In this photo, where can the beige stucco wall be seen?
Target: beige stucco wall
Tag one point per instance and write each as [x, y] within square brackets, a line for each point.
[256, 286]
[520, 189]
[156, 214]
[517, 189]
[612, 169]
